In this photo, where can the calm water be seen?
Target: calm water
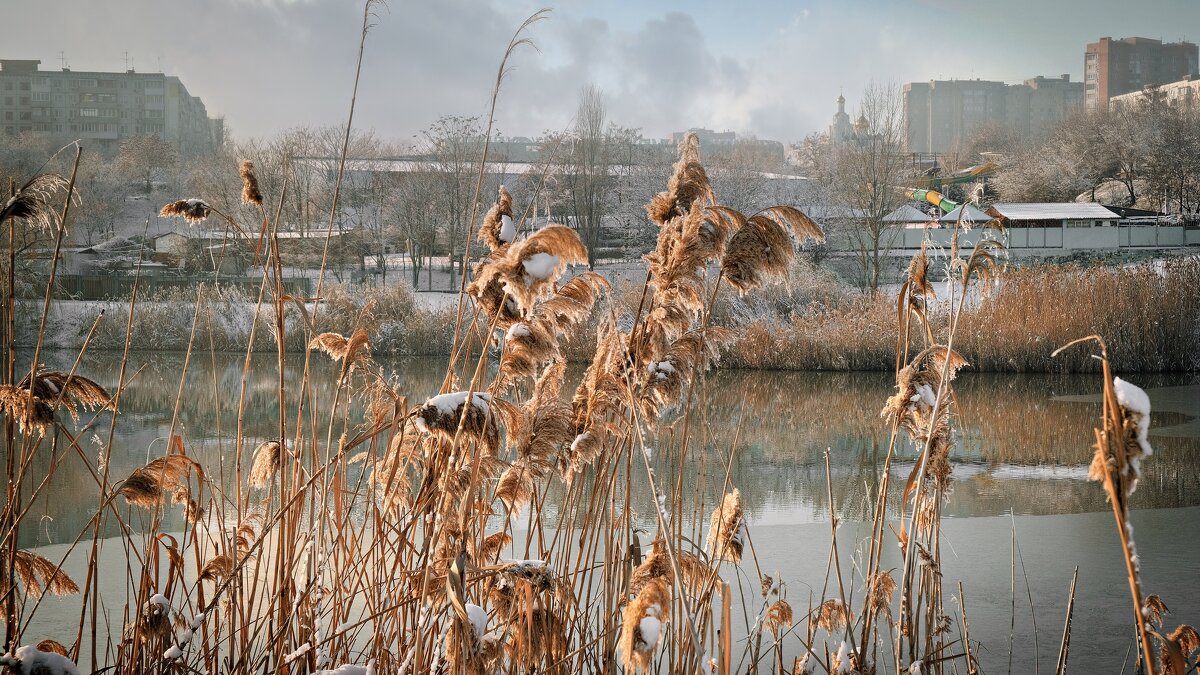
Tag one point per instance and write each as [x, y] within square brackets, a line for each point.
[1021, 464]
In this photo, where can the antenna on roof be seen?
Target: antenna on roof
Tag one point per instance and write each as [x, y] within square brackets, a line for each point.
[62, 60]
[128, 63]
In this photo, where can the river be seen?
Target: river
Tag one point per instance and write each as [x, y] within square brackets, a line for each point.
[1020, 469]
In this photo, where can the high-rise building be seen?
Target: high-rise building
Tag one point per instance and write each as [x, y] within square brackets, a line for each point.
[1114, 67]
[939, 115]
[104, 109]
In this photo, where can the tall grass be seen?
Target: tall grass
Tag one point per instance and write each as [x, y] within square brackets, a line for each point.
[1151, 310]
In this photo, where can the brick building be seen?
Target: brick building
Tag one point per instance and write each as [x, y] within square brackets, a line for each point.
[1115, 67]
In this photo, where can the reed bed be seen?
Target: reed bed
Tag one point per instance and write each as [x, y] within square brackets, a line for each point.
[411, 531]
[1152, 310]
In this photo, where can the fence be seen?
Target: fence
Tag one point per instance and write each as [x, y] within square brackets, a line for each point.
[1065, 238]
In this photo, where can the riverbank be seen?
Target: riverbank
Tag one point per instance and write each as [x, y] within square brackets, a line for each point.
[1149, 313]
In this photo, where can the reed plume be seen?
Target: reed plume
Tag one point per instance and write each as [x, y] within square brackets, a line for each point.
[688, 183]
[191, 210]
[31, 402]
[148, 486]
[250, 192]
[498, 229]
[350, 351]
[70, 391]
[642, 624]
[268, 457]
[39, 575]
[527, 270]
[833, 615]
[779, 616]
[727, 529]
[33, 201]
[32, 415]
[762, 249]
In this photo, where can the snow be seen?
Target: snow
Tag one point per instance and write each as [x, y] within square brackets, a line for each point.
[173, 653]
[660, 370]
[160, 599]
[649, 627]
[517, 330]
[448, 403]
[300, 651]
[197, 621]
[540, 265]
[31, 661]
[581, 438]
[523, 563]
[1134, 399]
[806, 666]
[185, 637]
[508, 229]
[927, 394]
[350, 669]
[917, 668]
[479, 619]
[843, 658]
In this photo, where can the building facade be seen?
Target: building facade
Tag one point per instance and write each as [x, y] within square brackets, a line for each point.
[1115, 67]
[1184, 93]
[939, 115]
[104, 109]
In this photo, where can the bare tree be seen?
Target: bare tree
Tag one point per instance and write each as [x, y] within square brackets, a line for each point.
[141, 156]
[863, 175]
[454, 147]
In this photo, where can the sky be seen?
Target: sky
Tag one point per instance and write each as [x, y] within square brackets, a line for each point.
[767, 68]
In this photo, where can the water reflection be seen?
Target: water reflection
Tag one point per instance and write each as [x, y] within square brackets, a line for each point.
[1023, 448]
[1024, 444]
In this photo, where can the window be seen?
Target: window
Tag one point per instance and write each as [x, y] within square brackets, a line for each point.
[89, 112]
[41, 97]
[8, 115]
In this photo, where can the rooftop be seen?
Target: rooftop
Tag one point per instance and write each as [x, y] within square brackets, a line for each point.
[1052, 211]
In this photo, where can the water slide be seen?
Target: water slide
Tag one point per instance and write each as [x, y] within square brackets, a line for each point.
[927, 194]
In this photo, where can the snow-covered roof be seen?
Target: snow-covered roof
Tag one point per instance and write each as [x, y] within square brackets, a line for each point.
[1053, 211]
[906, 214]
[974, 215]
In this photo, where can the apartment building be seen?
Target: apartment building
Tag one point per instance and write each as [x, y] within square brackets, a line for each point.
[103, 108]
[1115, 67]
[939, 115]
[1184, 93]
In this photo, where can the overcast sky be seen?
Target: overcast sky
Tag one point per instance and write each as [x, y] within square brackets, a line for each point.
[771, 68]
